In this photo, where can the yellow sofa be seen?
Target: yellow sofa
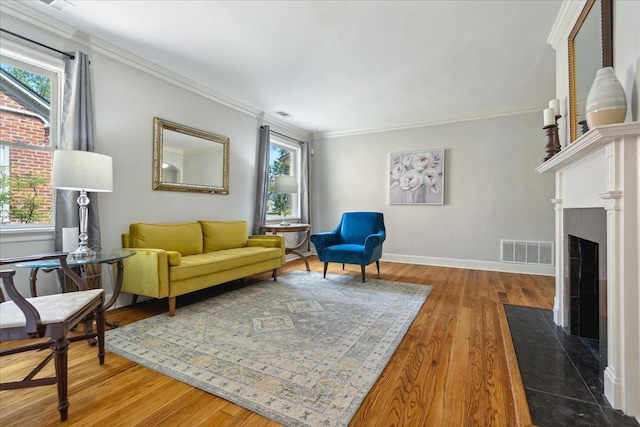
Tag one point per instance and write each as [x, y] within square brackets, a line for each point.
[175, 259]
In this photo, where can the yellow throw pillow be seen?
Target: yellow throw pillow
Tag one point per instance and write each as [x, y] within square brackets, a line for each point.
[220, 235]
[185, 238]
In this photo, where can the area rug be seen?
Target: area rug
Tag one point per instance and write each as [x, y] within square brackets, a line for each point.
[303, 351]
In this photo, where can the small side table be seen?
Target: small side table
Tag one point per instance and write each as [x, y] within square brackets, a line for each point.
[102, 257]
[293, 228]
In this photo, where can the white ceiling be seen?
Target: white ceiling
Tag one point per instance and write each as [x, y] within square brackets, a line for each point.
[343, 66]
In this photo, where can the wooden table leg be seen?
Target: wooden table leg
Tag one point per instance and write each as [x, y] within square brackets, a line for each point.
[294, 250]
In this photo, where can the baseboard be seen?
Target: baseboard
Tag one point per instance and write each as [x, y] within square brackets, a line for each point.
[612, 388]
[539, 270]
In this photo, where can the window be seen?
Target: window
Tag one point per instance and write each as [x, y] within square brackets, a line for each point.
[284, 159]
[30, 84]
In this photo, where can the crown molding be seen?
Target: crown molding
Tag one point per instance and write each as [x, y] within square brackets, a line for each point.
[444, 121]
[566, 19]
[52, 25]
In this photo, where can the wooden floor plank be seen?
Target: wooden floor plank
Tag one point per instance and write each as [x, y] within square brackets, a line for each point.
[455, 366]
[518, 398]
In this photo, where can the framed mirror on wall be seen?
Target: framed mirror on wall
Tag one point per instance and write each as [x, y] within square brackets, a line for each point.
[590, 48]
[189, 159]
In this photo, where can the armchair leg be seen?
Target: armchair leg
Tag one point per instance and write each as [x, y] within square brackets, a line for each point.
[378, 266]
[343, 265]
[60, 349]
[362, 267]
[324, 275]
[275, 274]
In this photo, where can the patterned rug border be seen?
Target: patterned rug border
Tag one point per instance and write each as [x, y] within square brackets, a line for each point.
[114, 343]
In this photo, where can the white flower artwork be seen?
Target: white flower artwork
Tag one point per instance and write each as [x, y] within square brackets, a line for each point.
[416, 177]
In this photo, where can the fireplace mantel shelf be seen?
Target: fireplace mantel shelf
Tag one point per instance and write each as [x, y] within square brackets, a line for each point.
[587, 144]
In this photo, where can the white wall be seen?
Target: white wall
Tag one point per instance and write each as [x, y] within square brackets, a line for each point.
[491, 190]
[125, 132]
[626, 52]
[125, 101]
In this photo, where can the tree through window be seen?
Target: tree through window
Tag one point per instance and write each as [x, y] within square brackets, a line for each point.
[284, 159]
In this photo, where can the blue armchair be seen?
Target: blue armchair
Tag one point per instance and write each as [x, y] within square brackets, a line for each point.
[356, 240]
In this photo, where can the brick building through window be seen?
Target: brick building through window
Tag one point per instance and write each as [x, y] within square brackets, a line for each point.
[26, 153]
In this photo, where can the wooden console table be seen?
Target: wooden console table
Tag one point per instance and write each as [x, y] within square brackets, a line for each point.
[293, 228]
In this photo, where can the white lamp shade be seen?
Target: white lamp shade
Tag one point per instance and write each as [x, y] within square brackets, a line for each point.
[82, 170]
[286, 184]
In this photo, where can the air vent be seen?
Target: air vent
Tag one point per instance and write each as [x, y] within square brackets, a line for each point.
[283, 114]
[58, 4]
[524, 252]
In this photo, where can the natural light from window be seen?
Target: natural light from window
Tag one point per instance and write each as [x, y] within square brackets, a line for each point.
[28, 136]
[284, 159]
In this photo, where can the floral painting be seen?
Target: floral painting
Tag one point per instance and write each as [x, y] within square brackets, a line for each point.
[417, 177]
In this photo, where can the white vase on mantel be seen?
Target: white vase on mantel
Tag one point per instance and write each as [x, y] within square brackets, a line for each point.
[606, 102]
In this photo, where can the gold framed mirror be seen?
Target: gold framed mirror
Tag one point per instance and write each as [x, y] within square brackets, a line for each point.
[590, 48]
[189, 159]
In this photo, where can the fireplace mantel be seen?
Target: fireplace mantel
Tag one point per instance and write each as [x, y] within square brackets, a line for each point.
[601, 170]
[588, 143]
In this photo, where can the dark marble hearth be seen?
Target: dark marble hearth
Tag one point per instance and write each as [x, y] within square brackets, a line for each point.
[560, 373]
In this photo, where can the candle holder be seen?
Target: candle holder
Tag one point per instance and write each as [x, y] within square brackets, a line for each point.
[558, 146]
[553, 144]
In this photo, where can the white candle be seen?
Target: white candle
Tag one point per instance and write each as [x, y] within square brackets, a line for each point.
[555, 104]
[549, 117]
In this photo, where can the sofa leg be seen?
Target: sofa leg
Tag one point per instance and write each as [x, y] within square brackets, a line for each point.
[275, 274]
[343, 265]
[362, 267]
[134, 299]
[172, 306]
[324, 275]
[378, 266]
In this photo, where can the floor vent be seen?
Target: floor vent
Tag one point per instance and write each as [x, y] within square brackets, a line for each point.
[523, 252]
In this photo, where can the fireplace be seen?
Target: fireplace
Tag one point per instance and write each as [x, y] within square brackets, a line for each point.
[597, 205]
[584, 288]
[585, 244]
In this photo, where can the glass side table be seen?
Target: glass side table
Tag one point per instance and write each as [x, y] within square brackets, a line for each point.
[102, 256]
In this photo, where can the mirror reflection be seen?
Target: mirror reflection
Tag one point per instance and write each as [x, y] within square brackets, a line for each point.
[590, 49]
[588, 57]
[188, 159]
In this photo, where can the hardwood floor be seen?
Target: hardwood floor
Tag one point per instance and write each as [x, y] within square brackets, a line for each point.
[454, 367]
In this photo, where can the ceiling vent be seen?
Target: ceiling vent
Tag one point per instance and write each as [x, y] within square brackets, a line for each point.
[283, 114]
[58, 4]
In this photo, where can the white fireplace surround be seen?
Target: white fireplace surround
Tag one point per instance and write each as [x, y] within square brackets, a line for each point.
[601, 170]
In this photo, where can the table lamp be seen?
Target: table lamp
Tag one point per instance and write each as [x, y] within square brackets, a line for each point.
[286, 184]
[82, 171]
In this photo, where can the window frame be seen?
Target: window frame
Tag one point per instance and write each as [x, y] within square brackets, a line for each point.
[296, 166]
[51, 66]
